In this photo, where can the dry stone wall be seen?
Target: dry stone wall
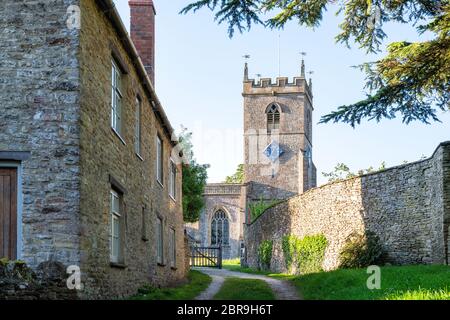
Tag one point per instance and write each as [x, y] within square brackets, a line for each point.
[406, 206]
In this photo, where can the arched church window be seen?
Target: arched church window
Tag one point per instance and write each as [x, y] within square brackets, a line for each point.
[220, 229]
[273, 118]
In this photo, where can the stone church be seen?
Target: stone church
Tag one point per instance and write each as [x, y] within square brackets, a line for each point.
[277, 159]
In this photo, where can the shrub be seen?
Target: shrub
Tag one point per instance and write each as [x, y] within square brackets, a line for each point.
[265, 253]
[360, 250]
[304, 255]
[259, 207]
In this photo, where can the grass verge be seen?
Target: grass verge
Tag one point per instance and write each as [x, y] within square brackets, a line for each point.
[244, 289]
[197, 282]
[418, 282]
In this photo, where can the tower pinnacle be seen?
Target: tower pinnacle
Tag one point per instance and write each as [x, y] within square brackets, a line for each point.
[246, 72]
[302, 74]
[246, 57]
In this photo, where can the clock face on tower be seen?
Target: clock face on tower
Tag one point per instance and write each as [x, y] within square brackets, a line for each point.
[273, 151]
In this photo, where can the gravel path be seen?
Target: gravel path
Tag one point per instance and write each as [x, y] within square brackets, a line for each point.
[283, 290]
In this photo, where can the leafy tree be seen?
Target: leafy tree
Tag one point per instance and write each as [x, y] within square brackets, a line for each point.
[237, 177]
[342, 171]
[194, 179]
[412, 81]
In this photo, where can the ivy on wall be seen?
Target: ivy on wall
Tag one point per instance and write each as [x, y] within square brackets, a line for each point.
[361, 250]
[304, 255]
[259, 207]
[265, 253]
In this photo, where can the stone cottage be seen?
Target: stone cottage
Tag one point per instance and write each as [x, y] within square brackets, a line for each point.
[88, 172]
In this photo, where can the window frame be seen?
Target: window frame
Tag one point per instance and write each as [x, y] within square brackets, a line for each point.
[116, 98]
[138, 127]
[173, 248]
[173, 180]
[115, 218]
[159, 160]
[273, 118]
[218, 224]
[160, 241]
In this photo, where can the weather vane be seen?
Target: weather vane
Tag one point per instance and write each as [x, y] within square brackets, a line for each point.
[246, 57]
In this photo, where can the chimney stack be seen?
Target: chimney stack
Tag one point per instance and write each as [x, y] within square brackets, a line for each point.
[143, 33]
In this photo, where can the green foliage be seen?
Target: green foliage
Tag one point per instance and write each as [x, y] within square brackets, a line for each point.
[421, 294]
[259, 207]
[265, 253]
[305, 255]
[342, 171]
[360, 251]
[244, 289]
[197, 283]
[194, 180]
[413, 80]
[237, 177]
[421, 282]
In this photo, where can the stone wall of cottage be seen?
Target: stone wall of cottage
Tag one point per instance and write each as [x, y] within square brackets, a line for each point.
[406, 206]
[39, 115]
[103, 155]
[47, 282]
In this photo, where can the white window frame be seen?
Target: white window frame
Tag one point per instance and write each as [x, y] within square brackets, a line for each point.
[160, 241]
[173, 248]
[138, 127]
[115, 218]
[116, 98]
[173, 180]
[159, 160]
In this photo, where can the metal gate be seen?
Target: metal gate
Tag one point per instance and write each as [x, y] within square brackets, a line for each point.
[206, 257]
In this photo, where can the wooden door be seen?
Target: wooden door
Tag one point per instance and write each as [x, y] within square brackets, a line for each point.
[8, 213]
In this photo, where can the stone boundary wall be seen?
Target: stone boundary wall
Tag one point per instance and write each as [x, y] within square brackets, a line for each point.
[407, 206]
[47, 282]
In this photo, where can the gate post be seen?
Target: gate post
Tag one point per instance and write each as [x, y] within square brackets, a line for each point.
[219, 259]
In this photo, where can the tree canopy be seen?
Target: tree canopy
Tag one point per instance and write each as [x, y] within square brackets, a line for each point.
[237, 177]
[341, 172]
[412, 81]
[194, 179]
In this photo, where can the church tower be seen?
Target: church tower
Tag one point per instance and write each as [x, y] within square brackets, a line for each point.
[278, 137]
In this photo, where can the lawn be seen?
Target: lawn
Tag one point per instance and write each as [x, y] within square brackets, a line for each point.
[197, 282]
[420, 282]
[244, 289]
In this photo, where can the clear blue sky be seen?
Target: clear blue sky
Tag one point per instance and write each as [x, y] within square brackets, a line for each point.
[199, 74]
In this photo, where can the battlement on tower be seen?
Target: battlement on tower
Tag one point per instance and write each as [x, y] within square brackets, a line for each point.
[279, 85]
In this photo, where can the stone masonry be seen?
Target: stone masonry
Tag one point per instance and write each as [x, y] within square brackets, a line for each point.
[228, 198]
[40, 113]
[406, 206]
[292, 173]
[55, 90]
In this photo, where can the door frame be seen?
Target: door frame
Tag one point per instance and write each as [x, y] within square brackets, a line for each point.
[18, 167]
